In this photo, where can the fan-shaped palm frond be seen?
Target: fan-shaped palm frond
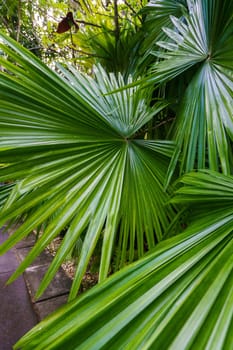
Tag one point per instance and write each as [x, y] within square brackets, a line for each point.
[72, 152]
[177, 297]
[201, 41]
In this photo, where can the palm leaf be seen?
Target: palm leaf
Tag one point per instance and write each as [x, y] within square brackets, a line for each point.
[201, 42]
[157, 15]
[179, 296]
[72, 152]
[5, 190]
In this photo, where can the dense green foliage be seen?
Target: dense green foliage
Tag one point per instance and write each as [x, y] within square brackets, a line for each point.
[106, 31]
[127, 156]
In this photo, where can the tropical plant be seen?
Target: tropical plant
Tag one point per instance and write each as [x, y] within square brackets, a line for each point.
[82, 164]
[198, 56]
[177, 297]
[87, 148]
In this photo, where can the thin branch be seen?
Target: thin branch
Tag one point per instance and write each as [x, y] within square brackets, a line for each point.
[37, 48]
[89, 54]
[133, 11]
[73, 45]
[130, 7]
[88, 23]
[19, 21]
[162, 123]
[116, 20]
[155, 127]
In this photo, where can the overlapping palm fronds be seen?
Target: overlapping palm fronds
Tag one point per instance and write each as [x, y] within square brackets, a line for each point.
[71, 150]
[177, 297]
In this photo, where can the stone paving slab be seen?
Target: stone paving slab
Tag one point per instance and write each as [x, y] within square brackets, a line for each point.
[46, 307]
[60, 284]
[17, 315]
[3, 236]
[19, 311]
[8, 262]
[45, 258]
[29, 241]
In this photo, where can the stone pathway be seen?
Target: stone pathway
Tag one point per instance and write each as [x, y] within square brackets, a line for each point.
[19, 311]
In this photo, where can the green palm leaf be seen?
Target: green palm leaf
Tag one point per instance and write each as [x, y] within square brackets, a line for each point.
[72, 152]
[179, 296]
[5, 190]
[201, 42]
[157, 15]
